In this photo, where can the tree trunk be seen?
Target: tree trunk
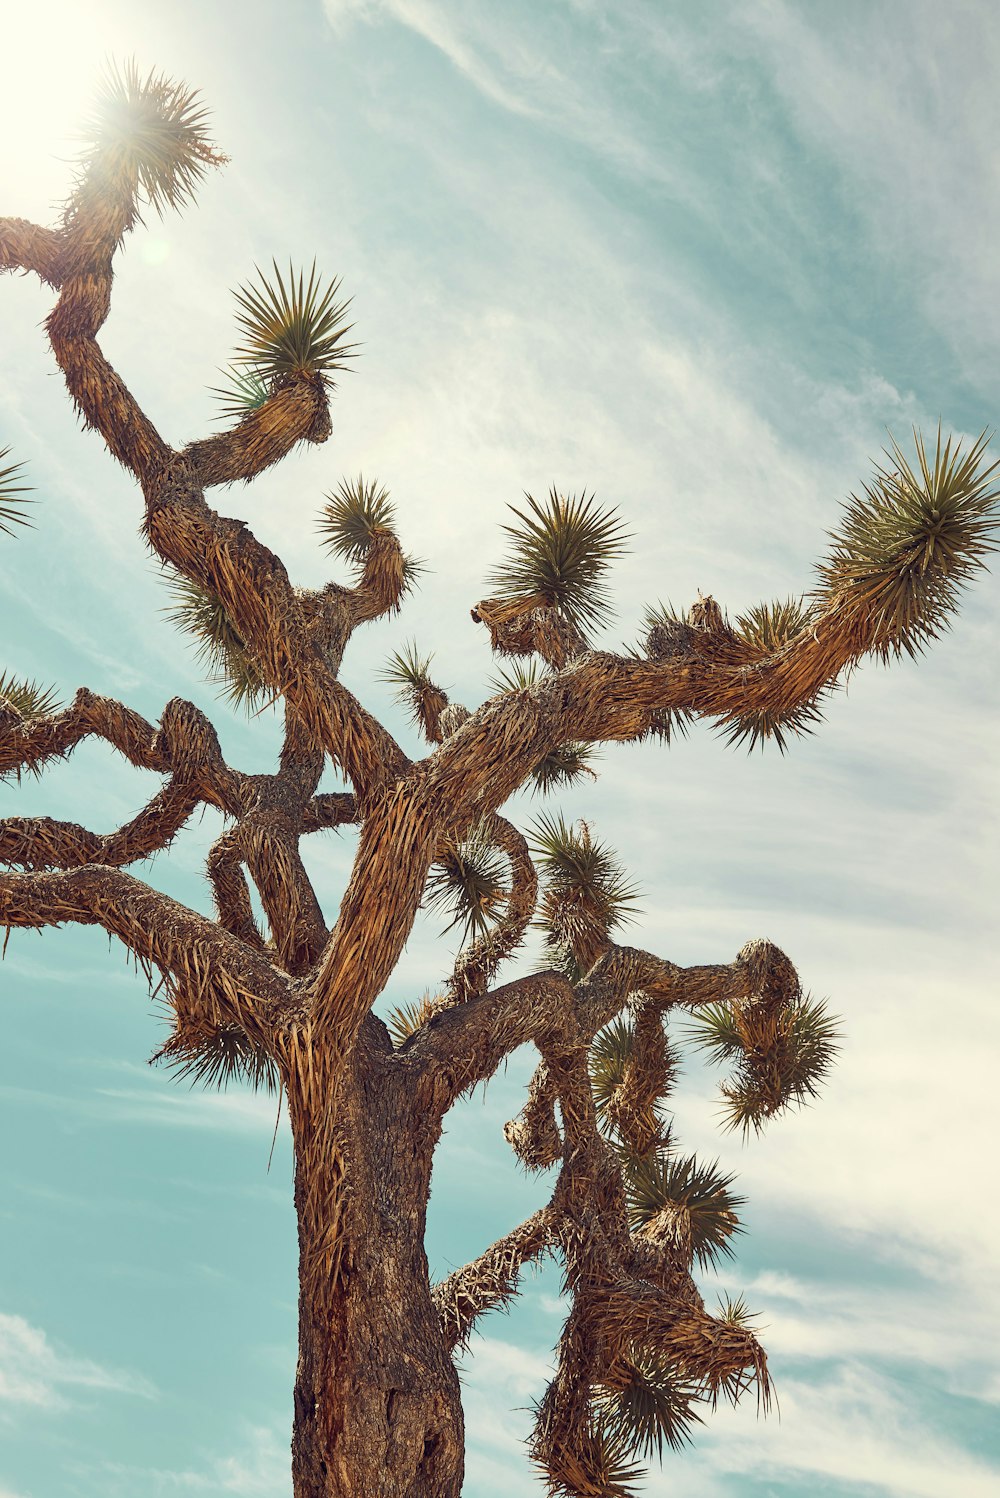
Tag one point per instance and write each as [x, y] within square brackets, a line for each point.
[378, 1410]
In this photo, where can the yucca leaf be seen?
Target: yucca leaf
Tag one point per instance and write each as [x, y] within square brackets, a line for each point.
[215, 1059]
[559, 554]
[468, 883]
[610, 1051]
[405, 1020]
[762, 725]
[656, 1408]
[662, 1182]
[220, 648]
[600, 1463]
[904, 549]
[587, 894]
[771, 626]
[736, 1312]
[518, 676]
[245, 390]
[293, 329]
[353, 516]
[11, 505]
[781, 1059]
[561, 767]
[148, 138]
[27, 697]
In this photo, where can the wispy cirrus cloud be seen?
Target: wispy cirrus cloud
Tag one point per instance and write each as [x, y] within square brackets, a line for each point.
[35, 1373]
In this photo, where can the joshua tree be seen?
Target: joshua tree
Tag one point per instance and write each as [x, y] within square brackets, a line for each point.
[377, 1406]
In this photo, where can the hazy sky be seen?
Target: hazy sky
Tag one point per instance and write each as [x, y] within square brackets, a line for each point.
[696, 258]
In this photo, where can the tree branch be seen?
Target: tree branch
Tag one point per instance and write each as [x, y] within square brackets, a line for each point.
[491, 1280]
[210, 976]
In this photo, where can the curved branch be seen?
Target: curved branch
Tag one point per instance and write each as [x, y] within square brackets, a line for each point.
[296, 412]
[475, 966]
[29, 247]
[231, 891]
[491, 1280]
[210, 976]
[329, 809]
[36, 843]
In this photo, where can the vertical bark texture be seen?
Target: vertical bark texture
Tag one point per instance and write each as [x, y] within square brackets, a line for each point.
[377, 1401]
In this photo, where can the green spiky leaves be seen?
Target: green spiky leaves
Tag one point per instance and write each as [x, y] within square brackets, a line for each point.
[217, 1057]
[354, 516]
[149, 139]
[468, 882]
[292, 325]
[244, 391]
[905, 549]
[681, 1193]
[11, 489]
[559, 554]
[27, 698]
[587, 894]
[219, 647]
[653, 1409]
[406, 1019]
[781, 1056]
[772, 626]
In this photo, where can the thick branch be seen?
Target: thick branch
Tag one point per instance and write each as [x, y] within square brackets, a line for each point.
[297, 412]
[491, 1280]
[36, 843]
[210, 976]
[27, 246]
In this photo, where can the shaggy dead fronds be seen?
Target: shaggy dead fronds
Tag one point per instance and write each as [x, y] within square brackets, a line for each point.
[559, 554]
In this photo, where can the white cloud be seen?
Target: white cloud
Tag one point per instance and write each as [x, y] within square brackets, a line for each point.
[852, 1429]
[34, 1373]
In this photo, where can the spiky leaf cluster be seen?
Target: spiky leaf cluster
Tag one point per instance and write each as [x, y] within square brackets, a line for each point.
[662, 1182]
[772, 626]
[148, 139]
[610, 1053]
[220, 648]
[587, 893]
[904, 549]
[781, 1058]
[562, 767]
[28, 698]
[600, 1465]
[216, 1058]
[291, 325]
[765, 726]
[353, 516]
[655, 1408]
[245, 390]
[468, 882]
[405, 1020]
[11, 504]
[559, 554]
[408, 673]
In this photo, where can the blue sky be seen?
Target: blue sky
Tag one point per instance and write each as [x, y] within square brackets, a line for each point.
[695, 258]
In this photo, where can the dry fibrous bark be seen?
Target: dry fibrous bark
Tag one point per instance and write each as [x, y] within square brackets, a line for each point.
[377, 1405]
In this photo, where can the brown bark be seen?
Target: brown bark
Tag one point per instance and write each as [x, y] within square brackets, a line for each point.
[377, 1405]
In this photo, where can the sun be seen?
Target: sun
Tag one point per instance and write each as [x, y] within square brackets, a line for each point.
[53, 55]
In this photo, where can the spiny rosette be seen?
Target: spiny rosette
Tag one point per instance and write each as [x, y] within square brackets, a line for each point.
[28, 698]
[559, 554]
[148, 139]
[220, 647]
[652, 1405]
[469, 883]
[292, 326]
[904, 549]
[586, 892]
[214, 1056]
[676, 1197]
